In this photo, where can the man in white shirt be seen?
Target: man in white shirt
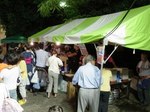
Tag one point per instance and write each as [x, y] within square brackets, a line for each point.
[41, 62]
[41, 57]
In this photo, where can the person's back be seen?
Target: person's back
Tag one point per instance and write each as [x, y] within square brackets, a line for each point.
[105, 90]
[29, 58]
[88, 78]
[106, 76]
[10, 74]
[41, 57]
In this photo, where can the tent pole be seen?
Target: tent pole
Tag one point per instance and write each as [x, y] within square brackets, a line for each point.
[102, 61]
[103, 53]
[110, 54]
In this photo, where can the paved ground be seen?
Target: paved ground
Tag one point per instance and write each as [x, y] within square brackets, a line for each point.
[40, 103]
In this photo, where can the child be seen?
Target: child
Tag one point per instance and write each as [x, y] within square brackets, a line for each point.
[10, 74]
[24, 78]
[55, 108]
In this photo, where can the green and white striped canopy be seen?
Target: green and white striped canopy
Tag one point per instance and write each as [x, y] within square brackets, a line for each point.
[134, 31]
[38, 36]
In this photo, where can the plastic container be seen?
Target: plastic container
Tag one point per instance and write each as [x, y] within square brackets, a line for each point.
[115, 93]
[111, 98]
[118, 76]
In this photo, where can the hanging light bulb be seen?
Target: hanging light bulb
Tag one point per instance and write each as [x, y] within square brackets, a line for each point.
[57, 43]
[133, 51]
[31, 43]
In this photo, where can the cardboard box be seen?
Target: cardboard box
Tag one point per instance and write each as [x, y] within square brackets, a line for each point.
[124, 73]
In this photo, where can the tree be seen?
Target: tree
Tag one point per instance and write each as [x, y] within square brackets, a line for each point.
[22, 17]
[86, 8]
[27, 17]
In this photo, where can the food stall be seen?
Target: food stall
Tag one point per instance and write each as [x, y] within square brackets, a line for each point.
[120, 82]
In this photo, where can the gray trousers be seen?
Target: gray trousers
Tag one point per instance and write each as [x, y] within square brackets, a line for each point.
[88, 97]
[53, 81]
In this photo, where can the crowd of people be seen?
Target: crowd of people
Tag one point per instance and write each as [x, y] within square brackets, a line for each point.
[19, 66]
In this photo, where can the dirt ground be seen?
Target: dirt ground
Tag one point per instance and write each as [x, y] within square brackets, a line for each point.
[41, 103]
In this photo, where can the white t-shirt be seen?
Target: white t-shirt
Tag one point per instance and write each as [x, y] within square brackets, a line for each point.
[41, 58]
[54, 63]
[144, 68]
[9, 76]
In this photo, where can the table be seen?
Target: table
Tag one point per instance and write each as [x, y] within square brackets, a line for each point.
[124, 73]
[71, 89]
[122, 87]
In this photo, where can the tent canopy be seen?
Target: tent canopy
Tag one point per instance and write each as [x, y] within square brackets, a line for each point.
[133, 32]
[38, 36]
[14, 39]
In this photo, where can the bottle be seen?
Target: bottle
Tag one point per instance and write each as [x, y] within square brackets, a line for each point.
[118, 77]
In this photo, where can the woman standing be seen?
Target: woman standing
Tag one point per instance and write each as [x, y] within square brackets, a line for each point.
[105, 90]
[29, 59]
[54, 63]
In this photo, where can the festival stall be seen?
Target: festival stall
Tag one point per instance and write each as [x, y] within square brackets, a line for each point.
[133, 32]
[126, 28]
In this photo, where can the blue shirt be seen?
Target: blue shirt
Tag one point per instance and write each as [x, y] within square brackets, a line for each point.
[87, 76]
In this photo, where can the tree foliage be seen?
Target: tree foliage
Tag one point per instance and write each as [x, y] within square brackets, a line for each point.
[47, 7]
[22, 17]
[86, 8]
[27, 17]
